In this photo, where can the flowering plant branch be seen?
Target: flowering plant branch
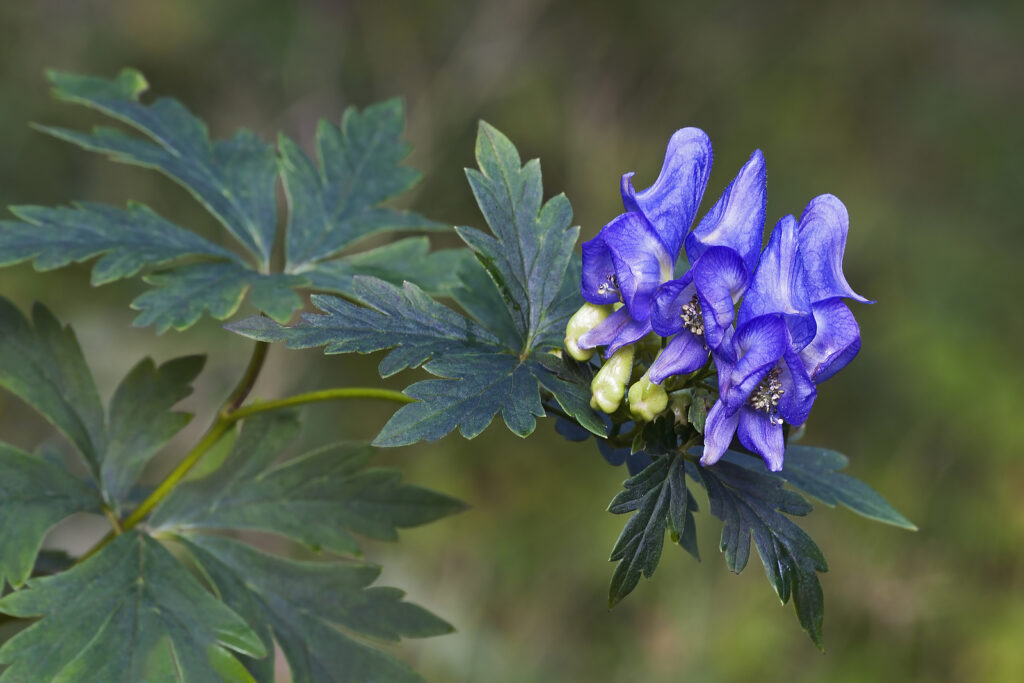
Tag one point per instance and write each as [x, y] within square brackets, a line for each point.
[707, 367]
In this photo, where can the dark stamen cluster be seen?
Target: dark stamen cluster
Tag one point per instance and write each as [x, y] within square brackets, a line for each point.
[767, 394]
[693, 319]
[612, 284]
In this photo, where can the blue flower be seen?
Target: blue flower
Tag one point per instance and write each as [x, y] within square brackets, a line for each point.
[793, 332]
[632, 259]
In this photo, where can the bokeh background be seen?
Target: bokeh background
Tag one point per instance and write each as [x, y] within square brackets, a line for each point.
[911, 112]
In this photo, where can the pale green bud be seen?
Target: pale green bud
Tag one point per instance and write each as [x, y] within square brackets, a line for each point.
[646, 399]
[609, 385]
[584, 320]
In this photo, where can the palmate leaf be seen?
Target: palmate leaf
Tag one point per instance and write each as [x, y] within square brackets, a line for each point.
[330, 209]
[130, 613]
[751, 503]
[41, 363]
[320, 498]
[659, 499]
[34, 495]
[518, 295]
[302, 605]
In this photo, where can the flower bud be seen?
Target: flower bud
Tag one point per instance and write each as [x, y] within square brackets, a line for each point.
[587, 318]
[646, 399]
[609, 385]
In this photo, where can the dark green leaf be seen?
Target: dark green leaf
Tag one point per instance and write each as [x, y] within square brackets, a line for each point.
[42, 364]
[108, 619]
[520, 298]
[409, 259]
[331, 208]
[681, 506]
[530, 250]
[140, 420]
[751, 503]
[34, 495]
[319, 498]
[234, 179]
[339, 203]
[303, 605]
[816, 471]
[181, 295]
[638, 548]
[128, 239]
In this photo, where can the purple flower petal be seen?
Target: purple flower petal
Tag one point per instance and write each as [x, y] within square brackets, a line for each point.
[668, 304]
[762, 436]
[615, 331]
[795, 404]
[757, 346]
[779, 285]
[719, 429]
[683, 354]
[598, 271]
[641, 261]
[737, 218]
[720, 278]
[822, 235]
[836, 343]
[670, 204]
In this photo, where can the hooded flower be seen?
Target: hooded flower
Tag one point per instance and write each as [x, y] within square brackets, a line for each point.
[633, 258]
[699, 307]
[793, 332]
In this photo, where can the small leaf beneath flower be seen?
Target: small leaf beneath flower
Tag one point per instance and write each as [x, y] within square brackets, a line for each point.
[751, 503]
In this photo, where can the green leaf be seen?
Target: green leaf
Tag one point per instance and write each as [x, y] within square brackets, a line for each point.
[140, 420]
[128, 239]
[107, 619]
[751, 503]
[234, 179]
[816, 471]
[182, 295]
[302, 605]
[42, 364]
[319, 498]
[409, 259]
[34, 495]
[532, 244]
[519, 296]
[653, 495]
[339, 203]
[331, 208]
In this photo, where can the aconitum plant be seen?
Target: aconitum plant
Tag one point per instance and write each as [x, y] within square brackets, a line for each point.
[698, 369]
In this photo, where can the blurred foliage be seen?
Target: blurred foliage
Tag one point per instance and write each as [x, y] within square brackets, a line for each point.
[910, 112]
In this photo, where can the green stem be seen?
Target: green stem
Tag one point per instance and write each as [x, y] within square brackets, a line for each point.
[225, 421]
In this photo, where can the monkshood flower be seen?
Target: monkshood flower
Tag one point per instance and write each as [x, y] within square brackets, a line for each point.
[635, 254]
[793, 332]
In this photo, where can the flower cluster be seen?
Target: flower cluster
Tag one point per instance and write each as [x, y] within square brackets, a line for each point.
[790, 332]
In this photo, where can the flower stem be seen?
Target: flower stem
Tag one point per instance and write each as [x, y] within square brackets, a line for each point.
[226, 418]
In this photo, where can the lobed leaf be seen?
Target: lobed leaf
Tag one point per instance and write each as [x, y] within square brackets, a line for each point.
[130, 613]
[34, 495]
[751, 503]
[234, 179]
[331, 207]
[658, 498]
[319, 613]
[141, 421]
[320, 498]
[42, 364]
[519, 295]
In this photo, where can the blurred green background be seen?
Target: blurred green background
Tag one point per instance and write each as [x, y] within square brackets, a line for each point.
[910, 112]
